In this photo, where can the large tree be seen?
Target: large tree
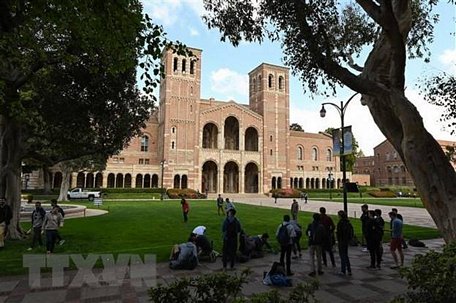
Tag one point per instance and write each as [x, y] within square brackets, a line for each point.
[68, 82]
[321, 41]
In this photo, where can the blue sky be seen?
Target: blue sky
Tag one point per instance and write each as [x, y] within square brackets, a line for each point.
[225, 69]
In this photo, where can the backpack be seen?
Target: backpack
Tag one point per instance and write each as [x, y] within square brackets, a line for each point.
[319, 234]
[231, 229]
[283, 237]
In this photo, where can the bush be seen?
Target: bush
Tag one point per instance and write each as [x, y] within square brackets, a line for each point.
[130, 190]
[382, 194]
[432, 277]
[285, 193]
[187, 193]
[223, 287]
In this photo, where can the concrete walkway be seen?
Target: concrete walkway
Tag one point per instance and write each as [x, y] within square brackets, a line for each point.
[364, 286]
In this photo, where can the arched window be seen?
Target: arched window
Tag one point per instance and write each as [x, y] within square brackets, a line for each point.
[299, 153]
[314, 154]
[280, 83]
[173, 130]
[328, 155]
[144, 143]
[270, 81]
[175, 65]
[254, 84]
[173, 145]
[184, 65]
[260, 85]
[192, 67]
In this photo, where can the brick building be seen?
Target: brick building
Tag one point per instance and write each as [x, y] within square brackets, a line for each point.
[386, 167]
[219, 146]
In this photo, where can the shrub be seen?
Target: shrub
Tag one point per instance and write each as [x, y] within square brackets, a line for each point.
[382, 194]
[223, 287]
[432, 277]
[130, 190]
[285, 193]
[187, 193]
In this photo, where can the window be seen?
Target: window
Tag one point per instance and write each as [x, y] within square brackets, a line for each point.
[314, 154]
[115, 160]
[121, 160]
[141, 161]
[175, 65]
[270, 81]
[299, 153]
[394, 155]
[191, 90]
[254, 84]
[146, 161]
[173, 145]
[270, 138]
[173, 130]
[328, 155]
[270, 152]
[280, 83]
[387, 156]
[184, 65]
[192, 67]
[144, 143]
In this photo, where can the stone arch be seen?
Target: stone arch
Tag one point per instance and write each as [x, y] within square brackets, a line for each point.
[281, 83]
[139, 181]
[155, 181]
[99, 180]
[209, 177]
[177, 180]
[111, 180]
[231, 177]
[279, 182]
[210, 135]
[147, 181]
[307, 183]
[127, 181]
[314, 153]
[270, 81]
[301, 182]
[251, 139]
[312, 183]
[295, 183]
[184, 182]
[57, 180]
[80, 180]
[274, 183]
[251, 178]
[89, 183]
[119, 180]
[231, 131]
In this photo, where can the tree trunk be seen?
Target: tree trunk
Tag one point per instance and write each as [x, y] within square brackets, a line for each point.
[402, 125]
[46, 179]
[66, 173]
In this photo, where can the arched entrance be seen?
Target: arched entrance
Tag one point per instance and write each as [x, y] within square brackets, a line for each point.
[231, 132]
[210, 133]
[251, 178]
[231, 178]
[251, 139]
[209, 177]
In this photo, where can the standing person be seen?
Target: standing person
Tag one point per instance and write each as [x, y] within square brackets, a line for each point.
[5, 217]
[399, 216]
[302, 196]
[316, 233]
[185, 209]
[344, 236]
[274, 195]
[296, 239]
[396, 239]
[373, 239]
[329, 238]
[230, 230]
[381, 231]
[285, 235]
[220, 205]
[364, 218]
[228, 205]
[62, 213]
[38, 215]
[51, 224]
[305, 198]
[294, 209]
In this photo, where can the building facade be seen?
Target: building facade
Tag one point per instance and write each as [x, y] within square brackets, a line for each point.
[219, 146]
[386, 167]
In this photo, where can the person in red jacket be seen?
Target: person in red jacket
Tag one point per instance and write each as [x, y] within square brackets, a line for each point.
[185, 209]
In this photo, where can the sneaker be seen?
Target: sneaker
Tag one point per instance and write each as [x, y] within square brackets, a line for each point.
[364, 249]
[312, 274]
[394, 267]
[321, 272]
[349, 273]
[61, 242]
[371, 267]
[29, 249]
[341, 273]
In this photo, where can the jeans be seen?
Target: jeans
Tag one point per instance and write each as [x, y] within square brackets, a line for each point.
[344, 260]
[229, 252]
[37, 236]
[315, 250]
[51, 237]
[285, 250]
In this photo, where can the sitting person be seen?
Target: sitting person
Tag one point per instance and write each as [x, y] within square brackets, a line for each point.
[252, 247]
[276, 276]
[184, 256]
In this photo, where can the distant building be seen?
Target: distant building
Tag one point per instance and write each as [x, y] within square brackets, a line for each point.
[386, 167]
[218, 146]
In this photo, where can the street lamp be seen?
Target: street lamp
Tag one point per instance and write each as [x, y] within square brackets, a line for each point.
[162, 163]
[330, 175]
[341, 109]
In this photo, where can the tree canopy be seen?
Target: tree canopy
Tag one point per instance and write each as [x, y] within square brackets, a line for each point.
[322, 42]
[296, 127]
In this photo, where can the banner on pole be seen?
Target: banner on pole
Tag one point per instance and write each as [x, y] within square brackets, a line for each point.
[336, 141]
[348, 140]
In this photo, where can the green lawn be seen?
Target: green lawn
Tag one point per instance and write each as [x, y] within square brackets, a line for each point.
[407, 202]
[153, 227]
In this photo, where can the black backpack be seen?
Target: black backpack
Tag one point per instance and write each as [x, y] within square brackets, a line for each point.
[283, 237]
[231, 229]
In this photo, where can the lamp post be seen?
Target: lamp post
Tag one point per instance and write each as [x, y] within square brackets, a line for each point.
[162, 163]
[341, 109]
[330, 174]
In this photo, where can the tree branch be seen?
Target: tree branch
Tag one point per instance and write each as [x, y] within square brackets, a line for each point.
[353, 65]
[372, 10]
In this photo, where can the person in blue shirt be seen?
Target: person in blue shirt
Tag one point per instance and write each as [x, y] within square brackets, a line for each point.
[396, 240]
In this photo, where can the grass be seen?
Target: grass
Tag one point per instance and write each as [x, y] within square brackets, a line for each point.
[153, 227]
[405, 202]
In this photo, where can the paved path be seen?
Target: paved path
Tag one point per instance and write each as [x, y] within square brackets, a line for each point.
[412, 215]
[364, 286]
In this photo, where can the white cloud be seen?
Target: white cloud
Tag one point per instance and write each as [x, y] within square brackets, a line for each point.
[168, 12]
[193, 32]
[448, 58]
[229, 82]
